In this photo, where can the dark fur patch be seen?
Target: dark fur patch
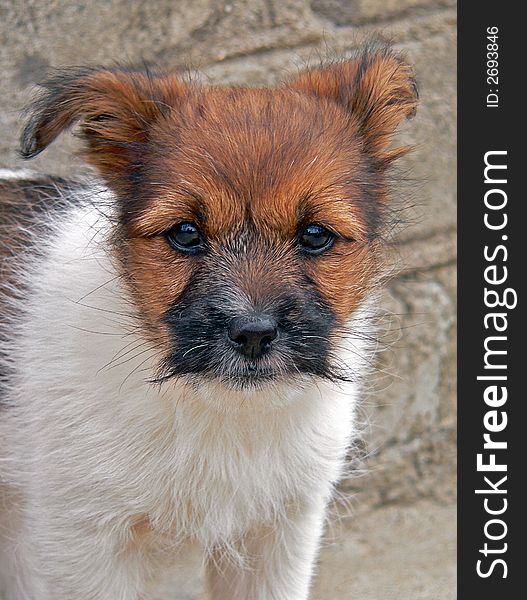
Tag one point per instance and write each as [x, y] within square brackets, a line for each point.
[198, 321]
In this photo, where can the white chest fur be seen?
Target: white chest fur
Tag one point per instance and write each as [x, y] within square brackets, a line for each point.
[203, 462]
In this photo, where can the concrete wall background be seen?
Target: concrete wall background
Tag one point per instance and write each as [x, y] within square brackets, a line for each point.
[408, 451]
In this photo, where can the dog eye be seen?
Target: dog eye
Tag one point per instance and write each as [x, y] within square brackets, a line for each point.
[314, 239]
[185, 237]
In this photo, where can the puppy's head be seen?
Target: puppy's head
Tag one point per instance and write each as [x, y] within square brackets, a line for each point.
[248, 218]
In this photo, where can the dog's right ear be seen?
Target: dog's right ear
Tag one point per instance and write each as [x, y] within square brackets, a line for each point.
[115, 109]
[377, 89]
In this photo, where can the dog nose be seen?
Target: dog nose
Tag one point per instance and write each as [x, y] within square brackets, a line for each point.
[252, 336]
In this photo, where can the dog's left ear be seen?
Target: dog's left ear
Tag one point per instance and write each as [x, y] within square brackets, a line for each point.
[376, 88]
[116, 110]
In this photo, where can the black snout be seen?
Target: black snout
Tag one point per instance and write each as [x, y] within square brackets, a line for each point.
[252, 336]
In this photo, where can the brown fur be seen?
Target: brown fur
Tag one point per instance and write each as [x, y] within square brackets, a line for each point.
[239, 161]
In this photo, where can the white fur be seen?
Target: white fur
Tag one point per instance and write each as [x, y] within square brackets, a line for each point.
[16, 173]
[89, 448]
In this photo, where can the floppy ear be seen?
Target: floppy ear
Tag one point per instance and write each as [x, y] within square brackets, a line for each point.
[115, 108]
[377, 89]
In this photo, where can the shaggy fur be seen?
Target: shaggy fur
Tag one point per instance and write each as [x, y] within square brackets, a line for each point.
[132, 428]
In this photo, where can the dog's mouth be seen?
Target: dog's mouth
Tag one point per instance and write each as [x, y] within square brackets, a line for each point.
[234, 373]
[220, 363]
[252, 374]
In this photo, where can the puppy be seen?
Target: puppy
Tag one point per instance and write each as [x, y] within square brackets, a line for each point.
[183, 339]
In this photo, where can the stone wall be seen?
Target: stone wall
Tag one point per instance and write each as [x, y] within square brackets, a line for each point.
[408, 415]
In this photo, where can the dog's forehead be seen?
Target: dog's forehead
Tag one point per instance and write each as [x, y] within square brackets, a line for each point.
[271, 158]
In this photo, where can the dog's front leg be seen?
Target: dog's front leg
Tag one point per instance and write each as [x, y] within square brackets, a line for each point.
[274, 563]
[78, 561]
